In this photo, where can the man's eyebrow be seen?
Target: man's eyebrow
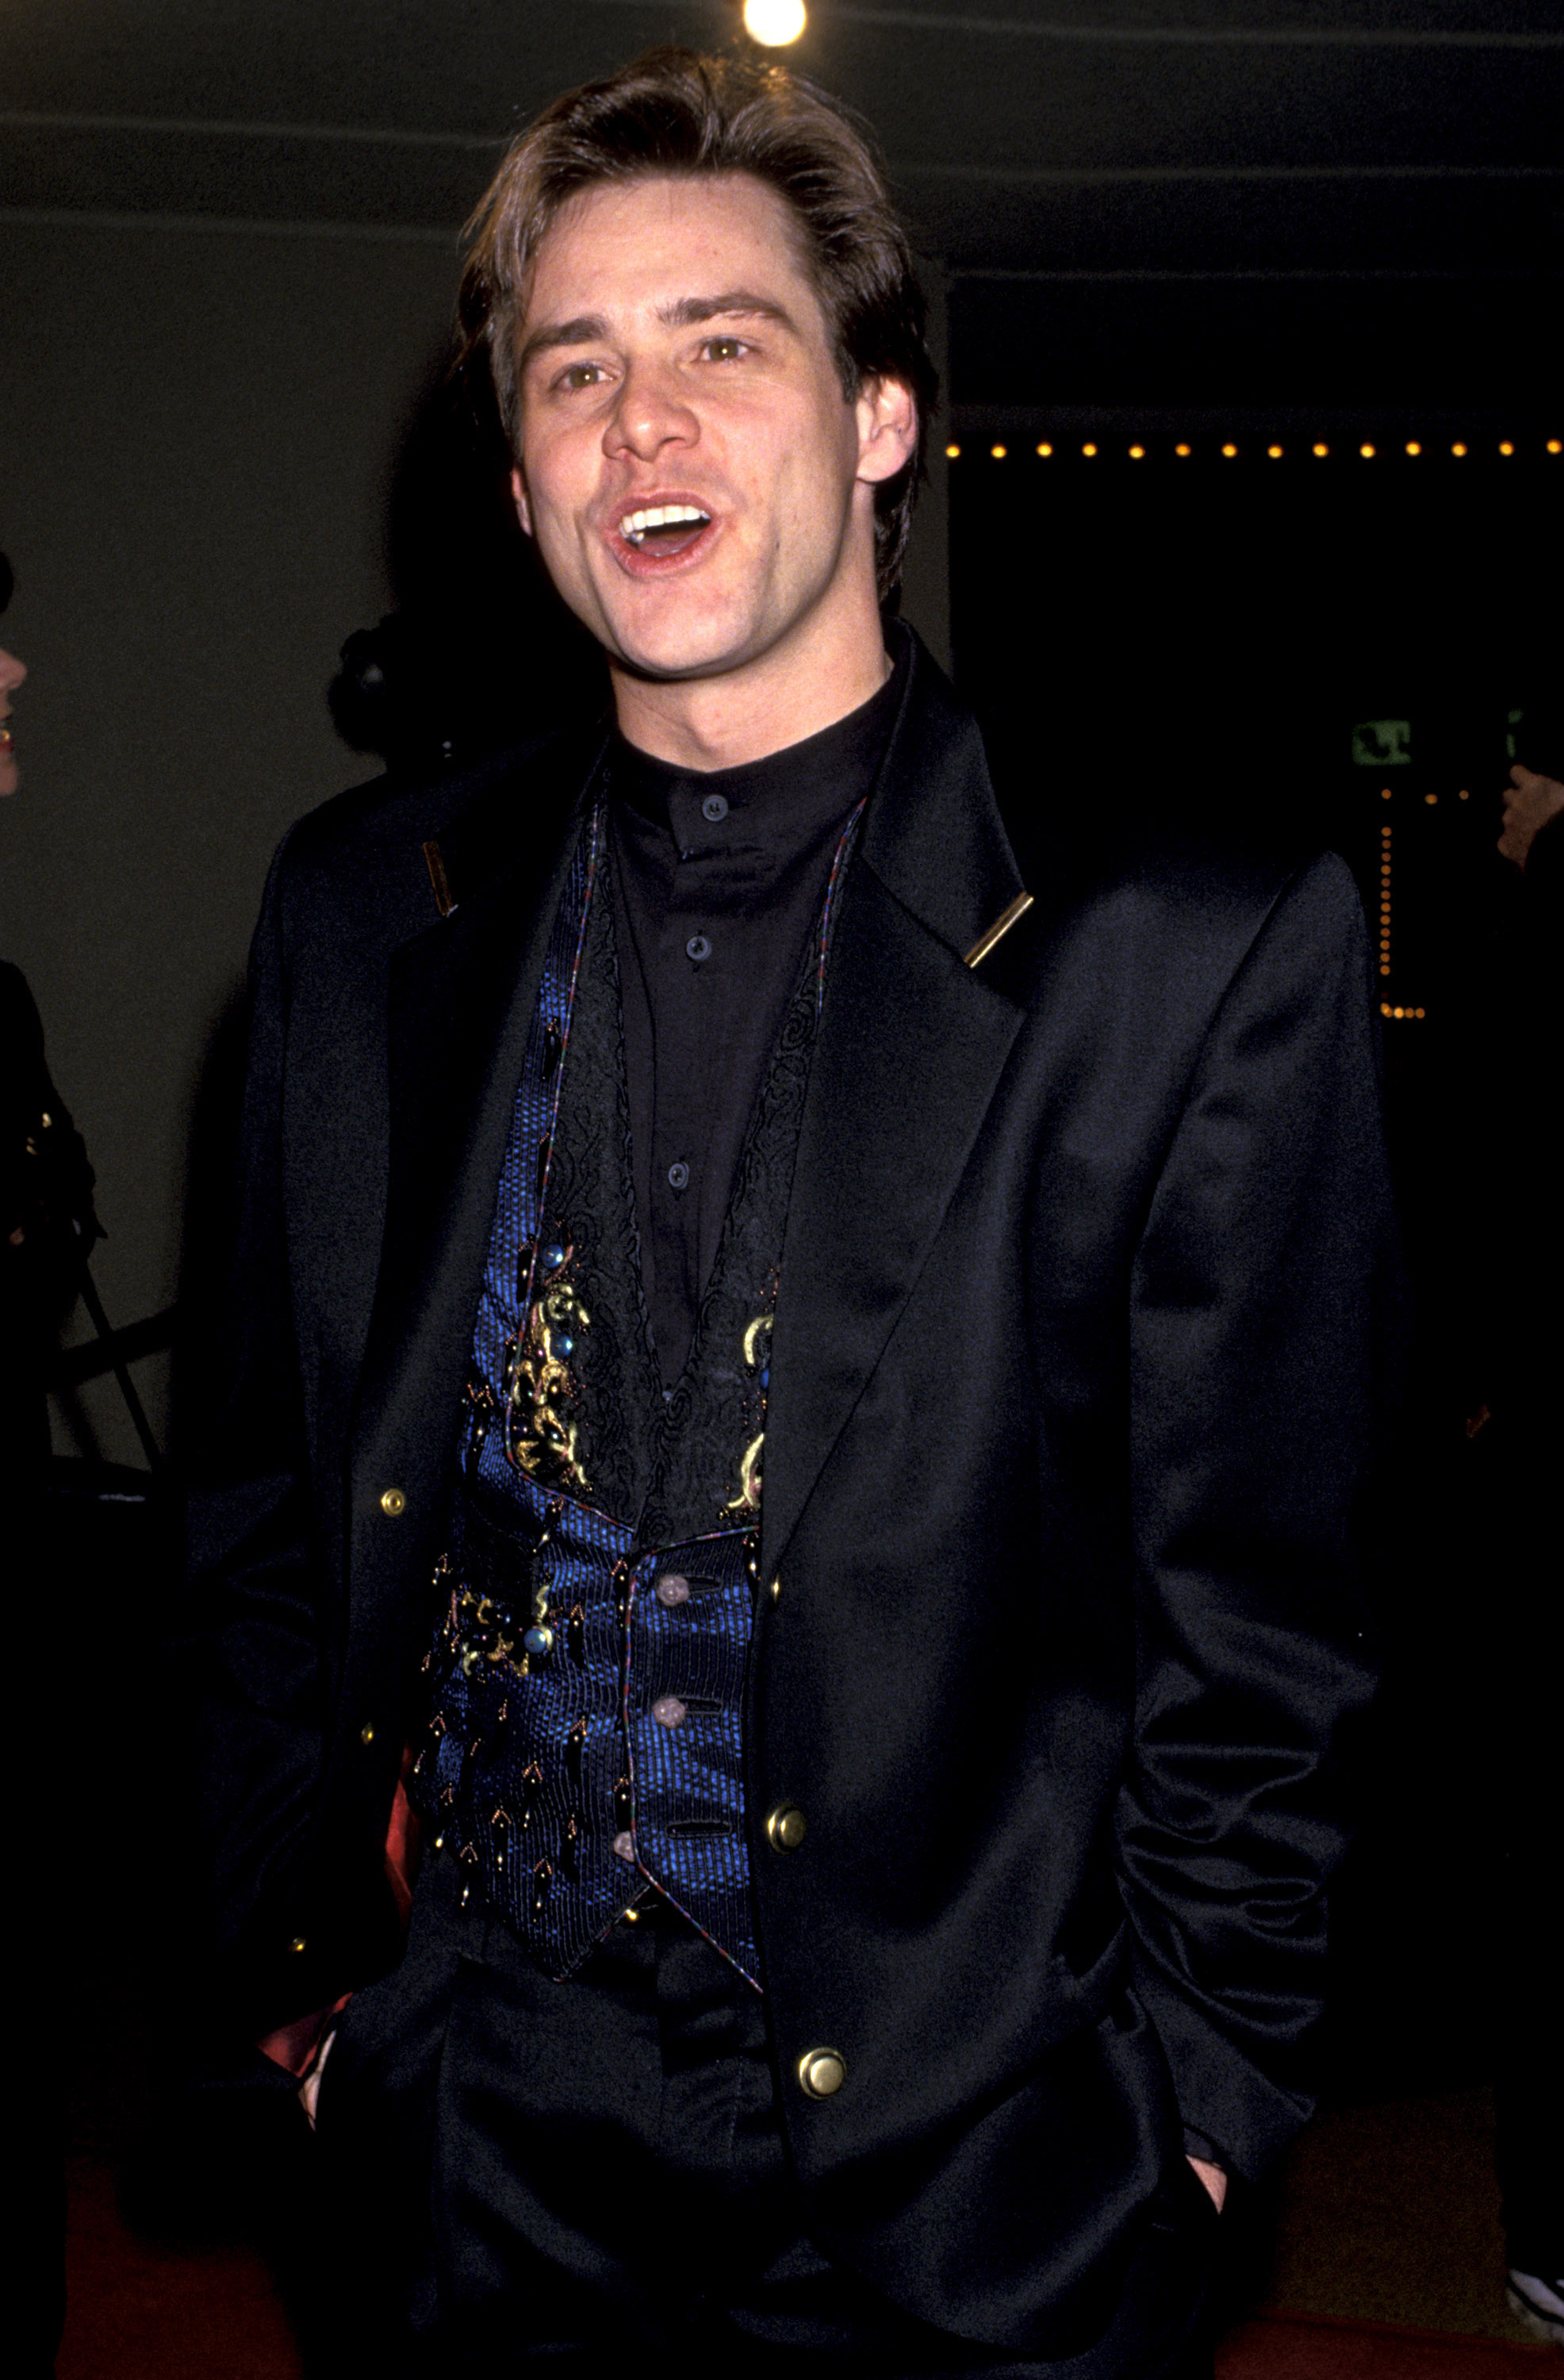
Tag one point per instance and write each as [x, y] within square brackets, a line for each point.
[576, 333]
[686, 312]
[681, 314]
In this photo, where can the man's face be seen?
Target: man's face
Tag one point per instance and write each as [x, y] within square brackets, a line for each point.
[698, 484]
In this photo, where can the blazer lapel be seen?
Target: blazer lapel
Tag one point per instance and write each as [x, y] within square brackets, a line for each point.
[911, 1047]
[461, 999]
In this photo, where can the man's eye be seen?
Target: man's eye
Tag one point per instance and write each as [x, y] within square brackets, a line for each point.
[579, 376]
[725, 351]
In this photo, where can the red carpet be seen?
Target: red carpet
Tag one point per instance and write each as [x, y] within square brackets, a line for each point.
[142, 2311]
[138, 2311]
[1307, 2347]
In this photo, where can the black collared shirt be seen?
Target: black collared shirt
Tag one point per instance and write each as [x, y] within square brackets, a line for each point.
[719, 880]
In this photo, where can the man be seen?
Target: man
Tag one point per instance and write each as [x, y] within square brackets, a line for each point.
[866, 1920]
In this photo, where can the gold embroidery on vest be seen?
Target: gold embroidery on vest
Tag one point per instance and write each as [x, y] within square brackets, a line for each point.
[756, 1356]
[543, 1437]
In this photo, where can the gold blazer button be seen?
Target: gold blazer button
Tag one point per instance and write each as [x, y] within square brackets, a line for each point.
[393, 1503]
[821, 2073]
[786, 1826]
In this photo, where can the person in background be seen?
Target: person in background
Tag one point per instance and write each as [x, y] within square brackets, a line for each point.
[47, 1226]
[47, 1221]
[1527, 1407]
[1533, 804]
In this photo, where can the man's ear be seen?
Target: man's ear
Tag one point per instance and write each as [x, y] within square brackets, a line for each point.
[887, 412]
[523, 509]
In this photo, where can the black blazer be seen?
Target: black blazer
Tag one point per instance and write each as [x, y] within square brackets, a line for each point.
[1073, 1394]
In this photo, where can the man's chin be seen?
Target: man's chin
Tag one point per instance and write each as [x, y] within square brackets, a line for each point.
[675, 658]
[679, 630]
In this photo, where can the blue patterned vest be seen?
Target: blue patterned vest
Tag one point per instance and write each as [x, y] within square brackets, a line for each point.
[586, 1732]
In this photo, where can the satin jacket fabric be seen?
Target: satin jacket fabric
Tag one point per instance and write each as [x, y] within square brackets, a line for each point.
[1078, 1353]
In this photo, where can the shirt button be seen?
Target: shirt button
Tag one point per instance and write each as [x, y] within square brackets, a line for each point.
[714, 808]
[393, 1503]
[669, 1711]
[671, 1589]
[625, 1848]
[679, 1175]
[697, 948]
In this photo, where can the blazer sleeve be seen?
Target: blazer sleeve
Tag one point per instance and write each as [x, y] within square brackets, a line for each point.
[1264, 1331]
[251, 1661]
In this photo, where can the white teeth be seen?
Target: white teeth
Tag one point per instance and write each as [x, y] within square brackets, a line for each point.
[634, 526]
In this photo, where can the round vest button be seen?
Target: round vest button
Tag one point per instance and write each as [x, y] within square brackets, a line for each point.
[786, 1826]
[821, 2073]
[393, 1503]
[671, 1589]
[669, 1711]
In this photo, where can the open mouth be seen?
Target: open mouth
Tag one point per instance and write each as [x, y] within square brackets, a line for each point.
[663, 530]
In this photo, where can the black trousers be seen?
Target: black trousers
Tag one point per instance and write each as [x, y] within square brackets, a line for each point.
[528, 2171]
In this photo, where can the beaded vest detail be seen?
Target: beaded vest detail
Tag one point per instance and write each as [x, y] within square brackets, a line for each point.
[585, 1715]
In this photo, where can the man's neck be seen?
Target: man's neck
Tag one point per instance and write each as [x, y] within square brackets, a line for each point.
[747, 713]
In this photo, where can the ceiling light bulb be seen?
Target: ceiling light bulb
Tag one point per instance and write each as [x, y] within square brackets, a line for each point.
[774, 23]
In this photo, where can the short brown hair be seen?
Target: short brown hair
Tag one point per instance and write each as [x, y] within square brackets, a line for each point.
[674, 112]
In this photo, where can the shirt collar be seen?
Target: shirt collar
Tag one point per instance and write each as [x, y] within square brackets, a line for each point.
[778, 803]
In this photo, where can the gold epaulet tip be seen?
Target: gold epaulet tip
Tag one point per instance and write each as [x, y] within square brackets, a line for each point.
[438, 880]
[999, 929]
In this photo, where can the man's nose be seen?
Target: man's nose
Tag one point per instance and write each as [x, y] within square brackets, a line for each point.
[650, 414]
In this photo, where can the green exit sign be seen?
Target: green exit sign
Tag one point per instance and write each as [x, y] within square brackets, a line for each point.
[1382, 744]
